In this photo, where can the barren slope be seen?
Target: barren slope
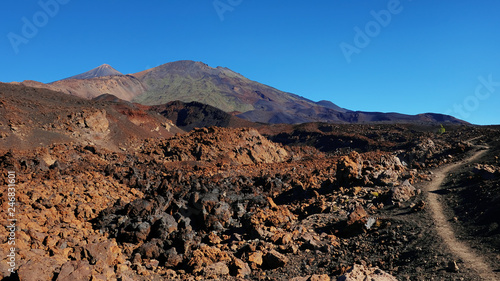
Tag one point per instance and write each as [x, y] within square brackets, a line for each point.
[32, 116]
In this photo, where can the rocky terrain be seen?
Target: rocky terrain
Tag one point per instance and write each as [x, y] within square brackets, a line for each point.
[110, 190]
[31, 117]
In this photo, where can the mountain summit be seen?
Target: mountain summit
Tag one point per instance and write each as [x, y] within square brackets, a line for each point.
[220, 87]
[100, 71]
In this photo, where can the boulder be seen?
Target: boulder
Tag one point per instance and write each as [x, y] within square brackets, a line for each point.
[75, 271]
[363, 273]
[255, 259]
[403, 192]
[239, 268]
[349, 168]
[273, 259]
[216, 270]
[96, 121]
[38, 268]
[106, 251]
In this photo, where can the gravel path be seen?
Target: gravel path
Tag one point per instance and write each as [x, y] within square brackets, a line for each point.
[460, 249]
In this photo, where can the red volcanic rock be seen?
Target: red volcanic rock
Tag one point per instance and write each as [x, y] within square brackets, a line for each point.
[75, 270]
[239, 268]
[38, 268]
[242, 146]
[349, 168]
[206, 255]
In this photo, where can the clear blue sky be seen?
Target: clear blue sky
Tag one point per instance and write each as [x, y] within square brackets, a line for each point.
[428, 57]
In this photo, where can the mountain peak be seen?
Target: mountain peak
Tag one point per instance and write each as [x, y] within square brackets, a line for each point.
[100, 71]
[195, 69]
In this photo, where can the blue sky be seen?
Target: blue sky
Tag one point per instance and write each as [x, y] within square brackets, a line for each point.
[408, 56]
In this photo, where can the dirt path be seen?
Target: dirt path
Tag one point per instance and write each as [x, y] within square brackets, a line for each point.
[444, 228]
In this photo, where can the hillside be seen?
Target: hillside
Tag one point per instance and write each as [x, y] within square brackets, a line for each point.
[31, 117]
[188, 116]
[125, 87]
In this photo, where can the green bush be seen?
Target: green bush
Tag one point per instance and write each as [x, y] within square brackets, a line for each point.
[442, 130]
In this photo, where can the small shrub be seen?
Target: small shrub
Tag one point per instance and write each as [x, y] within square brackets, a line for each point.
[442, 130]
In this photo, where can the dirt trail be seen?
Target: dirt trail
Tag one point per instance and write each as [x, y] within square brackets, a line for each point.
[444, 228]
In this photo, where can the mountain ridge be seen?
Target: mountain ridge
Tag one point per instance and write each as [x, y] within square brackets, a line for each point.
[220, 87]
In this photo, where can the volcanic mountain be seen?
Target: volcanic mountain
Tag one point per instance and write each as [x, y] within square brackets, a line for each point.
[222, 88]
[225, 89]
[100, 71]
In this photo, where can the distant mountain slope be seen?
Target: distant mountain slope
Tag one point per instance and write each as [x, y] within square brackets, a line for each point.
[220, 87]
[224, 89]
[100, 71]
[125, 87]
[188, 116]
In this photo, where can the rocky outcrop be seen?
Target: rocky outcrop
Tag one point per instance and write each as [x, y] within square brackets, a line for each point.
[94, 121]
[362, 273]
[226, 146]
[403, 192]
[382, 169]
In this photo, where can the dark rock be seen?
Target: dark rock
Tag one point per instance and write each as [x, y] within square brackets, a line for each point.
[453, 267]
[274, 259]
[151, 249]
[172, 259]
[165, 224]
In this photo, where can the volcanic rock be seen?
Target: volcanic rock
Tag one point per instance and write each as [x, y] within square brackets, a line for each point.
[255, 259]
[318, 277]
[75, 271]
[239, 268]
[403, 192]
[349, 168]
[274, 259]
[38, 268]
[215, 270]
[487, 172]
[363, 273]
[243, 146]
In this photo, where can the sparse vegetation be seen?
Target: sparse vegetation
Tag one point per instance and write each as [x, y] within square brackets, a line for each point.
[441, 130]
